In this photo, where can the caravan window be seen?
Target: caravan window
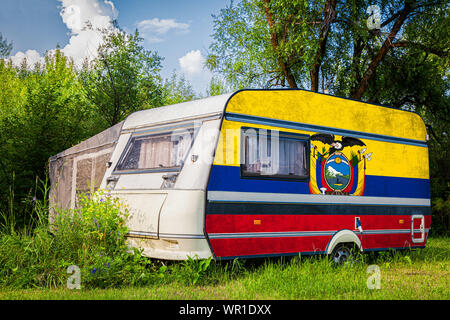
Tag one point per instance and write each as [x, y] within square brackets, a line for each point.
[158, 152]
[274, 154]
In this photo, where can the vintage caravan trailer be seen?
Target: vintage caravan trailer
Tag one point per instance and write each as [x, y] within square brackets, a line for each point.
[260, 173]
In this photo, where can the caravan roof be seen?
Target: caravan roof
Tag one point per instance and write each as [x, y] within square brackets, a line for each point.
[182, 111]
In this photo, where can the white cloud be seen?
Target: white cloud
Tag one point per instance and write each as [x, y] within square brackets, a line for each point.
[83, 43]
[153, 29]
[192, 63]
[32, 57]
[162, 26]
[192, 66]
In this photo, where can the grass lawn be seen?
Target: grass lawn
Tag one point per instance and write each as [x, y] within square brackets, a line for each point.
[419, 274]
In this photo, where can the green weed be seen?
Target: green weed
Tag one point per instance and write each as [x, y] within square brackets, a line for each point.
[91, 237]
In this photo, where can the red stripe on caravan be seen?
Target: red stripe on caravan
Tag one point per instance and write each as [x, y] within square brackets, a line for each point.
[232, 247]
[266, 246]
[233, 223]
[246, 244]
[385, 241]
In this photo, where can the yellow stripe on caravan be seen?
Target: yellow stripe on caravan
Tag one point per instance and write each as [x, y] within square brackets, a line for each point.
[328, 111]
[387, 159]
[228, 148]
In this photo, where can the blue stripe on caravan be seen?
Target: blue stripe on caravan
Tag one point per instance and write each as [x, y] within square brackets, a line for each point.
[322, 129]
[228, 178]
[379, 186]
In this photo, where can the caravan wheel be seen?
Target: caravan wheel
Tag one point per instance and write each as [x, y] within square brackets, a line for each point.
[342, 254]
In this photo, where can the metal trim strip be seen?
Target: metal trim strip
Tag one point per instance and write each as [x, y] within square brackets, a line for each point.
[154, 235]
[316, 128]
[234, 196]
[239, 235]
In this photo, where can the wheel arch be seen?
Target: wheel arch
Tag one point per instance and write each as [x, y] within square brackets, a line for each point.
[343, 236]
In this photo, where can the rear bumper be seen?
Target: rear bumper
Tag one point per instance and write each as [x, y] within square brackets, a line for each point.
[172, 247]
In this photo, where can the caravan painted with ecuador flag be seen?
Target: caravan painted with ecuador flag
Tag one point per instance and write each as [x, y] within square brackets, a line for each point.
[261, 173]
[348, 174]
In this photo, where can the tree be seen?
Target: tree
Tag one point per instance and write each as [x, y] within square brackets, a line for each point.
[5, 47]
[42, 112]
[312, 44]
[123, 78]
[177, 89]
[240, 50]
[415, 77]
[217, 86]
[284, 41]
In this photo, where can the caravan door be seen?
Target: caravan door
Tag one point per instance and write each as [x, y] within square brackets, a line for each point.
[147, 168]
[144, 209]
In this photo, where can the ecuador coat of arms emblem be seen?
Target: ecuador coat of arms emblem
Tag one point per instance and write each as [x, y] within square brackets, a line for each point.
[339, 166]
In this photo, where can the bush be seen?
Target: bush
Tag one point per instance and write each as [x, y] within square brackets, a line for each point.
[91, 237]
[440, 217]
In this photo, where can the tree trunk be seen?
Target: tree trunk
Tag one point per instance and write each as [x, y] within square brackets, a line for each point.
[364, 84]
[329, 16]
[274, 39]
[358, 47]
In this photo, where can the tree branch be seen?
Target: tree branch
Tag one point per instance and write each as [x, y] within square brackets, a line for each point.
[329, 16]
[392, 18]
[435, 136]
[358, 47]
[383, 50]
[274, 39]
[404, 43]
[116, 94]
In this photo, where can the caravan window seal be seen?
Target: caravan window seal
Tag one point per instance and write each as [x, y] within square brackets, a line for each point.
[303, 138]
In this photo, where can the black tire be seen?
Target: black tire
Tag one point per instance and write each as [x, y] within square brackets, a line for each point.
[342, 254]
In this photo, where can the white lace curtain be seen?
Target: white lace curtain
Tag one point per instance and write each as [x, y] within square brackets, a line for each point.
[292, 157]
[261, 156]
[164, 151]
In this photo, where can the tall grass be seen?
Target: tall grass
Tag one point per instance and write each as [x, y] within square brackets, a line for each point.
[415, 274]
[92, 237]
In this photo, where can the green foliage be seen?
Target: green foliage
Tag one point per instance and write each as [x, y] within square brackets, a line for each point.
[260, 43]
[177, 89]
[13, 92]
[240, 51]
[252, 50]
[194, 269]
[440, 218]
[99, 221]
[42, 111]
[5, 47]
[40, 259]
[124, 77]
[414, 76]
[49, 107]
[91, 237]
[217, 86]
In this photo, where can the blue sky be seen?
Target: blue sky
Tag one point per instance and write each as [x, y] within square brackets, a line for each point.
[175, 29]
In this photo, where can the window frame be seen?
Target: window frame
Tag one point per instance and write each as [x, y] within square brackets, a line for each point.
[304, 138]
[133, 138]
